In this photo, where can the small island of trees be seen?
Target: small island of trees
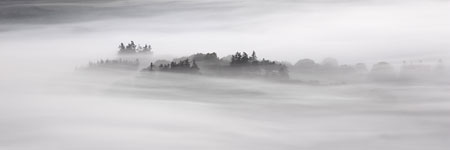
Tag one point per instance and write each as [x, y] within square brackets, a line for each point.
[132, 48]
[183, 66]
[241, 64]
[115, 64]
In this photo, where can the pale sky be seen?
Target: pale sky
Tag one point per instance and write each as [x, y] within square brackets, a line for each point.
[350, 30]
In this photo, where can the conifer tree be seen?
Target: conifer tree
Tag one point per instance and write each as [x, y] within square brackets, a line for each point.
[253, 57]
[121, 48]
[245, 58]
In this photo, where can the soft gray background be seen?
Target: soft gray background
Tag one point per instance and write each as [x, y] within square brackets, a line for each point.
[46, 105]
[350, 30]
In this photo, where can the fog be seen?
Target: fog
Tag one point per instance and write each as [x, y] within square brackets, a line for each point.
[50, 101]
[117, 110]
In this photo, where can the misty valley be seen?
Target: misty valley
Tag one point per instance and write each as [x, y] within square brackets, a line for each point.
[131, 101]
[224, 75]
[139, 101]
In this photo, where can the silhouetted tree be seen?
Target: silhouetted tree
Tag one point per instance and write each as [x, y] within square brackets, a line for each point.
[121, 48]
[151, 66]
[194, 66]
[253, 57]
[245, 58]
[236, 59]
[240, 59]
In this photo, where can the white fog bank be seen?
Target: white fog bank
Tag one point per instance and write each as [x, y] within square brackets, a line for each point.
[175, 111]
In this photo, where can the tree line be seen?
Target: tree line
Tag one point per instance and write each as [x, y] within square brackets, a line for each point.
[132, 48]
[184, 66]
[243, 64]
[239, 64]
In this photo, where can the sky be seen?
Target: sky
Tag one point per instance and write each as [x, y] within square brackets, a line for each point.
[350, 30]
